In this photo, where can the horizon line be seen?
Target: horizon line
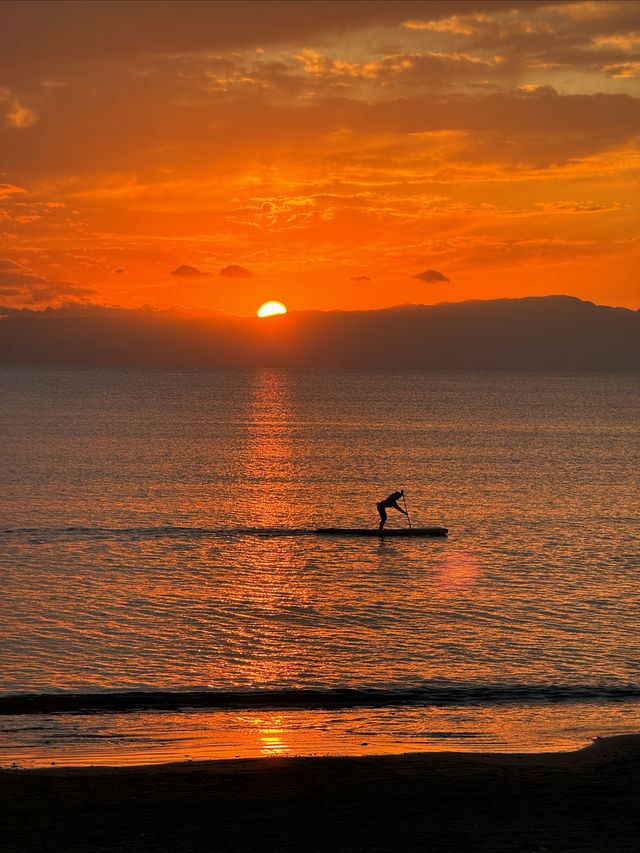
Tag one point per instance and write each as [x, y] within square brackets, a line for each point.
[80, 310]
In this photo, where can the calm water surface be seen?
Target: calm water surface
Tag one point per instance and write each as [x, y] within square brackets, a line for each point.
[156, 533]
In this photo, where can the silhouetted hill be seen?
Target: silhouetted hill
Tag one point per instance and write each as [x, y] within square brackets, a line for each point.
[534, 333]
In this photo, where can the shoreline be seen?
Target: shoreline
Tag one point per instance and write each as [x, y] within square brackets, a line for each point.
[584, 800]
[155, 735]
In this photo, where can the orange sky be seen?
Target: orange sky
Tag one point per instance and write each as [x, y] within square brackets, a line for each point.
[214, 155]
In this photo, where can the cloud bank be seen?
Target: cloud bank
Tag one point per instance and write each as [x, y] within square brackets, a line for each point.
[498, 139]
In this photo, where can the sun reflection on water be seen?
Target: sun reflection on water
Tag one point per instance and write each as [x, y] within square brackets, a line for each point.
[268, 455]
[269, 730]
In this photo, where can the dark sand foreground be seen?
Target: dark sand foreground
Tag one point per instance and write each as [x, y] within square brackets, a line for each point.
[582, 801]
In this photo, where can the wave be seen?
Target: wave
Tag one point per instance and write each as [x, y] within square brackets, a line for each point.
[428, 695]
[165, 531]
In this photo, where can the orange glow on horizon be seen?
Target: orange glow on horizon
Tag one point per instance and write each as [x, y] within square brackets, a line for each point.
[483, 157]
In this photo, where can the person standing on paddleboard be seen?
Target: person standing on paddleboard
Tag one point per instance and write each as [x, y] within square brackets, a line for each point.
[388, 503]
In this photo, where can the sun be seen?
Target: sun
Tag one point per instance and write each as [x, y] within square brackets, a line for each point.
[270, 308]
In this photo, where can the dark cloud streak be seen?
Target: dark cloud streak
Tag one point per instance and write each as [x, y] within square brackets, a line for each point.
[47, 35]
[553, 123]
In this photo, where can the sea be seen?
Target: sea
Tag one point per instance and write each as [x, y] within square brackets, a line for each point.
[165, 596]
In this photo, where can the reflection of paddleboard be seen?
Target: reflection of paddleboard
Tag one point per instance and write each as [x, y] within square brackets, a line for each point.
[392, 531]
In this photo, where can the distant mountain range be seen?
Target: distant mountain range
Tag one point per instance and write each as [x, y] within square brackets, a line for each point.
[534, 333]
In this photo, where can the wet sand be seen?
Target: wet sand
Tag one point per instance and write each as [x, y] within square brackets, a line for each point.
[582, 801]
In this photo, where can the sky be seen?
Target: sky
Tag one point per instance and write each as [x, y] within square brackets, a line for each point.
[211, 156]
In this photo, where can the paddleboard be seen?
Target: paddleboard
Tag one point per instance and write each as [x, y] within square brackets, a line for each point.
[384, 533]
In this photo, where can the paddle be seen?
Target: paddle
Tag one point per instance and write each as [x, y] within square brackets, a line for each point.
[405, 508]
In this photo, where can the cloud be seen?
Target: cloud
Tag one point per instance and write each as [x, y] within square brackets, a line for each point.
[573, 207]
[394, 73]
[186, 270]
[70, 308]
[430, 276]
[372, 144]
[16, 114]
[541, 125]
[495, 252]
[21, 287]
[622, 40]
[20, 116]
[234, 271]
[19, 278]
[6, 264]
[7, 190]
[624, 69]
[34, 44]
[562, 35]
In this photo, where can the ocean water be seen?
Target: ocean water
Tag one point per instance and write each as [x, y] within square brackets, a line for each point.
[156, 538]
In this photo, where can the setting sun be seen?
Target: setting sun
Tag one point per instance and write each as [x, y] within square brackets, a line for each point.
[269, 308]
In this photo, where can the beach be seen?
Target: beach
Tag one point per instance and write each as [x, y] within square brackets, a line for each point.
[579, 801]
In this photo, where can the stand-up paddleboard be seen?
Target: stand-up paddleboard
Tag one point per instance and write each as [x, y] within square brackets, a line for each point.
[374, 531]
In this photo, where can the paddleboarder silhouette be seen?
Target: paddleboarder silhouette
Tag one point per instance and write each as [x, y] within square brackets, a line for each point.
[389, 503]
